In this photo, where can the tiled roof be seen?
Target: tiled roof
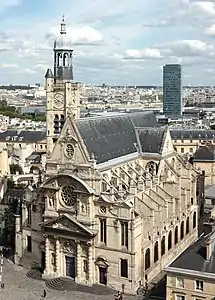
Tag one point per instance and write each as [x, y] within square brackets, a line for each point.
[113, 136]
[22, 136]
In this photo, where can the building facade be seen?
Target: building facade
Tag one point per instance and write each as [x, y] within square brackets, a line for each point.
[187, 141]
[192, 275]
[172, 90]
[117, 202]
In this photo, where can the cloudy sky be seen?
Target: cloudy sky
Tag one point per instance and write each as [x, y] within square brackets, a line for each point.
[115, 41]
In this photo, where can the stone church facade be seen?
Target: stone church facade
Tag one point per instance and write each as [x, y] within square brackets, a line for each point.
[117, 203]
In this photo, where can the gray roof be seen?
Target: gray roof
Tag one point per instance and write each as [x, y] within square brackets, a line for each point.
[151, 139]
[22, 136]
[194, 258]
[194, 134]
[210, 192]
[113, 136]
[49, 74]
[35, 156]
[205, 153]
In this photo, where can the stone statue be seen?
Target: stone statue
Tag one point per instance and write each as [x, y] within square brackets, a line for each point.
[51, 201]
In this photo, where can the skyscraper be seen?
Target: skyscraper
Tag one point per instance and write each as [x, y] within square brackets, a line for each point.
[172, 100]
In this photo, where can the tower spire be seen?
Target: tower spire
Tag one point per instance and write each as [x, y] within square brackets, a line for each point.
[63, 26]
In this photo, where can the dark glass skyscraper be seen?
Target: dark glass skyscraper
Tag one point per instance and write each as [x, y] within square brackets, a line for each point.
[172, 90]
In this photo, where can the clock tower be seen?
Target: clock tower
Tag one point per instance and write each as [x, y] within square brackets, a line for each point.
[62, 93]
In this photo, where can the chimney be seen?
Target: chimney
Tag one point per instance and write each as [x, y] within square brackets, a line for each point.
[209, 248]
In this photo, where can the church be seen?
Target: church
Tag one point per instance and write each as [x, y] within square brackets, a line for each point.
[116, 204]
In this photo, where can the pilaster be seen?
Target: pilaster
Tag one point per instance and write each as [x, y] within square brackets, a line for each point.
[90, 263]
[58, 256]
[79, 264]
[47, 256]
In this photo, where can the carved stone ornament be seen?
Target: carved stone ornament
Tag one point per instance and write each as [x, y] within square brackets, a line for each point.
[69, 151]
[69, 246]
[84, 250]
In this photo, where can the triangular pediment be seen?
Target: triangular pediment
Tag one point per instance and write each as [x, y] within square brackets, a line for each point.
[167, 147]
[70, 147]
[69, 224]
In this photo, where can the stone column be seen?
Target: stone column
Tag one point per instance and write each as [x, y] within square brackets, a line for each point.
[90, 263]
[47, 256]
[79, 264]
[58, 257]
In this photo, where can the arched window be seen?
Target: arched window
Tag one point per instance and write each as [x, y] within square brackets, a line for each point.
[194, 220]
[147, 259]
[182, 230]
[152, 168]
[170, 240]
[163, 246]
[156, 252]
[176, 235]
[187, 225]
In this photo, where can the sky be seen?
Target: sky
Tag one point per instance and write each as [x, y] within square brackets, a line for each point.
[121, 42]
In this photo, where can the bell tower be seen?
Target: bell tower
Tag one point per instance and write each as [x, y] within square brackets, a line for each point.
[62, 93]
[63, 52]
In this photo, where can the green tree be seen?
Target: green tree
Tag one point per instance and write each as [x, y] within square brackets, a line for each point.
[14, 168]
[9, 222]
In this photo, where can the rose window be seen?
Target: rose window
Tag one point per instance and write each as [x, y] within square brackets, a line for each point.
[68, 195]
[69, 151]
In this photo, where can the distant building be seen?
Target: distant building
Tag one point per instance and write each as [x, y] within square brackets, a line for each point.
[192, 274]
[172, 101]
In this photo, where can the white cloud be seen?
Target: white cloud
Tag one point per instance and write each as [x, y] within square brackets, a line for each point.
[79, 35]
[113, 41]
[9, 66]
[210, 30]
[187, 48]
[143, 54]
[207, 7]
[29, 71]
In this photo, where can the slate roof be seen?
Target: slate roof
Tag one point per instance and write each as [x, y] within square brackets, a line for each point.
[205, 153]
[35, 156]
[210, 192]
[194, 258]
[22, 136]
[194, 134]
[110, 137]
[151, 139]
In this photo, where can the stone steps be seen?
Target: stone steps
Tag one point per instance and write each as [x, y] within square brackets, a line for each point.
[61, 284]
[35, 274]
[68, 284]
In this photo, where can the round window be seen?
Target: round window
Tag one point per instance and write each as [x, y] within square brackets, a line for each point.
[102, 209]
[69, 151]
[68, 196]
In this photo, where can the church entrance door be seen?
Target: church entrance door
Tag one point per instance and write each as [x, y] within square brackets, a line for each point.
[70, 267]
[43, 260]
[103, 275]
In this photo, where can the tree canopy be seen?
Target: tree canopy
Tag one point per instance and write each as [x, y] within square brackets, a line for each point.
[13, 112]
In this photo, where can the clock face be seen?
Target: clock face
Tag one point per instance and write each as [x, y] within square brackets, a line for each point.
[58, 100]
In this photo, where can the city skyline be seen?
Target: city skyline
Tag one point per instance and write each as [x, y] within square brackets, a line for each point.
[123, 43]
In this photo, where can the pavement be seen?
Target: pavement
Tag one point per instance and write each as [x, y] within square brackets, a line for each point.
[20, 287]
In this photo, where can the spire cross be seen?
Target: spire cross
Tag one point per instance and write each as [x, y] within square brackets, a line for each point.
[63, 26]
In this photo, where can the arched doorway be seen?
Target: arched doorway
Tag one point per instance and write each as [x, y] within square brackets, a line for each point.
[102, 265]
[194, 220]
[163, 248]
[187, 225]
[147, 259]
[182, 230]
[170, 240]
[156, 252]
[176, 235]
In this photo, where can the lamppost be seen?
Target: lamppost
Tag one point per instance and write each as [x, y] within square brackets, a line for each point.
[142, 291]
